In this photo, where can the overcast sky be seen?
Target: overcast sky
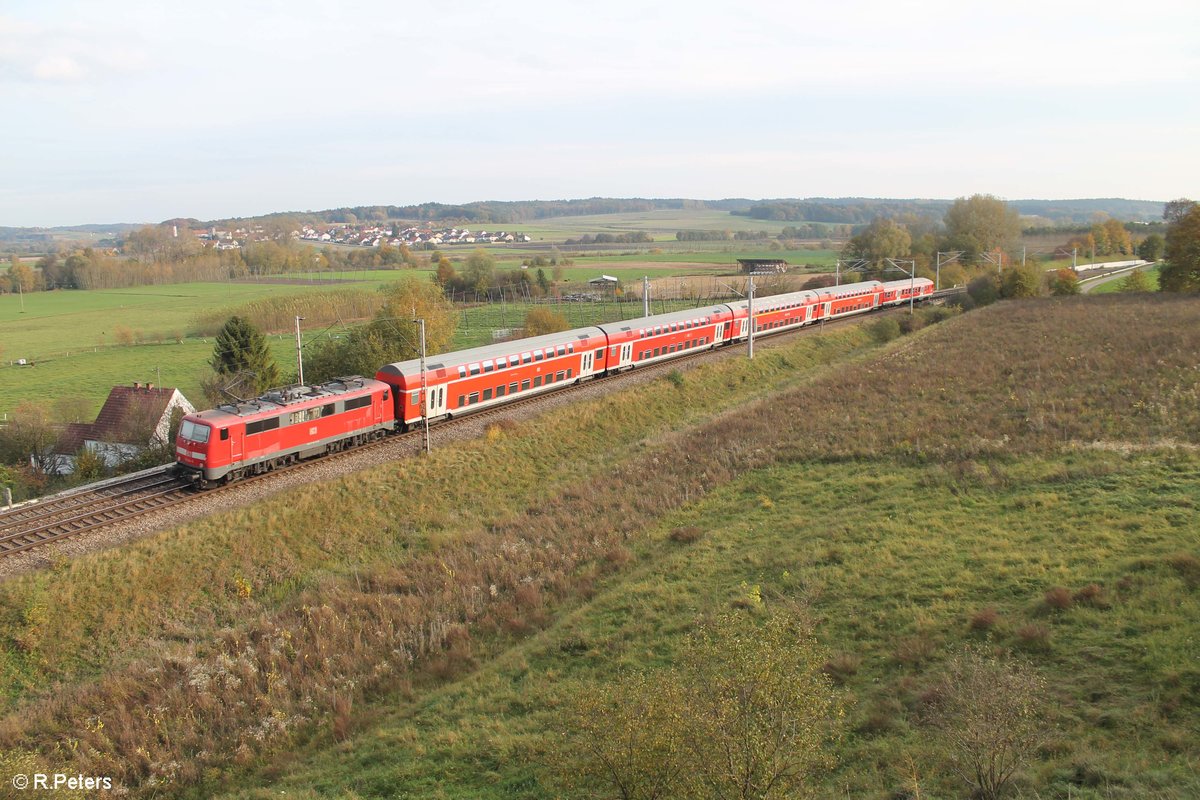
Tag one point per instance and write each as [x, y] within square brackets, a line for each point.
[131, 110]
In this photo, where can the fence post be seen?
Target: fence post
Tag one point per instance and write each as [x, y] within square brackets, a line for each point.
[7, 497]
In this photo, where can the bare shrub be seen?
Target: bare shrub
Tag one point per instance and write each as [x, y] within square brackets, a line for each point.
[687, 534]
[618, 555]
[989, 713]
[984, 619]
[1034, 636]
[1188, 567]
[1058, 598]
[1091, 595]
[842, 667]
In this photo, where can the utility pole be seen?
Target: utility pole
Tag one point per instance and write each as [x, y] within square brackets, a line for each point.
[951, 257]
[911, 272]
[750, 317]
[299, 353]
[424, 388]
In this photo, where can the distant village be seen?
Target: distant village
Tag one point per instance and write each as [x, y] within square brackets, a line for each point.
[362, 236]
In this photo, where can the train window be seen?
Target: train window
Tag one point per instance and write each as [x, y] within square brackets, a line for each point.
[512, 388]
[571, 347]
[327, 410]
[194, 432]
[487, 366]
[224, 434]
[462, 400]
[599, 355]
[524, 384]
[537, 381]
[358, 402]
[462, 372]
[385, 395]
[472, 398]
[416, 397]
[487, 394]
[562, 350]
[500, 390]
[657, 350]
[570, 373]
[474, 369]
[641, 333]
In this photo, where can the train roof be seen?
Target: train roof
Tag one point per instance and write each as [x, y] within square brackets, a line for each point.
[292, 397]
[904, 283]
[489, 352]
[627, 325]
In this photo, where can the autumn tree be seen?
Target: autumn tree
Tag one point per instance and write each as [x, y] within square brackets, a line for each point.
[747, 713]
[880, 240]
[627, 735]
[763, 714]
[242, 360]
[1026, 281]
[980, 224]
[479, 270]
[30, 438]
[988, 710]
[542, 320]
[1150, 248]
[1181, 253]
[393, 335]
[1064, 282]
[1175, 209]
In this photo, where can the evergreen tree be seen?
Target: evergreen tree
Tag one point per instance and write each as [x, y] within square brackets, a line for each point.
[241, 356]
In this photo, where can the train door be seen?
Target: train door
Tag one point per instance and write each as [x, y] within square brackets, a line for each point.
[626, 354]
[825, 312]
[235, 442]
[725, 335]
[435, 401]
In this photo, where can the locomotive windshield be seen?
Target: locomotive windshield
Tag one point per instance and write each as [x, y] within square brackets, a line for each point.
[193, 432]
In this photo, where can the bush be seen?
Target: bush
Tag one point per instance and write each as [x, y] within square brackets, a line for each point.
[885, 330]
[1058, 598]
[687, 534]
[984, 290]
[985, 619]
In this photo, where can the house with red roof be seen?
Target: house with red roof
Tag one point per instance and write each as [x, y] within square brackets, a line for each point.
[132, 419]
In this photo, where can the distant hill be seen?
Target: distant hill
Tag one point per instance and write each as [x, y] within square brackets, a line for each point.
[851, 210]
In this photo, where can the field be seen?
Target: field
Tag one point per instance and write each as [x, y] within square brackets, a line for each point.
[1115, 286]
[1022, 477]
[662, 225]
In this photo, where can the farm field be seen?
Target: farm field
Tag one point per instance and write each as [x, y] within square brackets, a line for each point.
[1021, 478]
[662, 224]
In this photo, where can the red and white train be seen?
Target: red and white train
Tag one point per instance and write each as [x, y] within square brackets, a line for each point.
[298, 422]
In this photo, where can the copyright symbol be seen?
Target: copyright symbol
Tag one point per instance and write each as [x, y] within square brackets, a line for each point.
[20, 781]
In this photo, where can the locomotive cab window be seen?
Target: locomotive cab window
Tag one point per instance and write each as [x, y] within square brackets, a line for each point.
[194, 432]
[224, 434]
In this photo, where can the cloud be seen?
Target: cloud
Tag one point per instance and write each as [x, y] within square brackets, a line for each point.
[32, 52]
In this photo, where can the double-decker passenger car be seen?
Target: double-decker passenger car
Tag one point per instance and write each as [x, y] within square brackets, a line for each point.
[281, 427]
[470, 380]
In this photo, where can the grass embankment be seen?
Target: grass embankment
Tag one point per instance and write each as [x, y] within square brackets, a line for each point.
[230, 635]
[914, 500]
[1032, 486]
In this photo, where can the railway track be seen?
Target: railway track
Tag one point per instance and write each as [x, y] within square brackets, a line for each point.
[28, 526]
[37, 524]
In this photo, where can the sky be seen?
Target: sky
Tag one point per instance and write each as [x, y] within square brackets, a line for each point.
[138, 111]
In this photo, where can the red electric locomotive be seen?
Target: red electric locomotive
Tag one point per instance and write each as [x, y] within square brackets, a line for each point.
[281, 427]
